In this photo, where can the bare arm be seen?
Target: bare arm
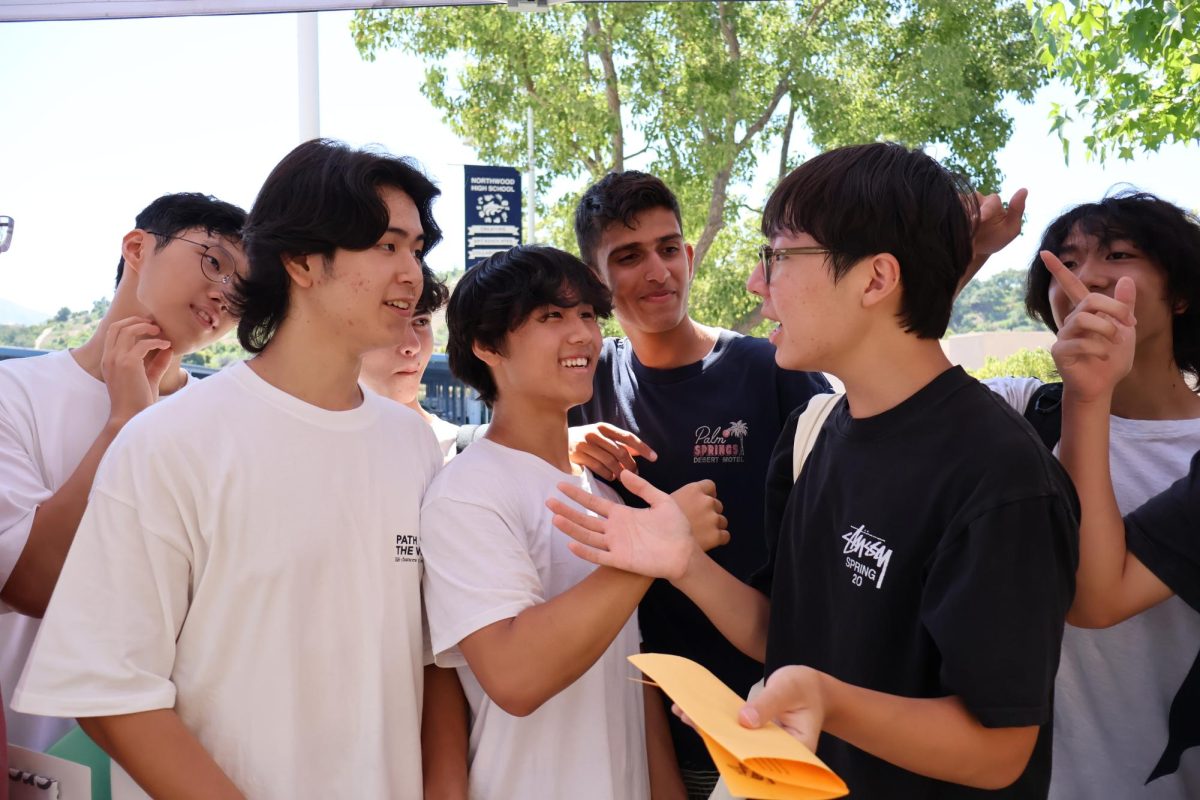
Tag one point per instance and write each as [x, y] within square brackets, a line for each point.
[445, 720]
[666, 783]
[1093, 352]
[738, 611]
[133, 364]
[523, 661]
[937, 737]
[162, 755]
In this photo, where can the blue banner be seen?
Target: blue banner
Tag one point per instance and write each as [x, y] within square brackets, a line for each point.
[492, 210]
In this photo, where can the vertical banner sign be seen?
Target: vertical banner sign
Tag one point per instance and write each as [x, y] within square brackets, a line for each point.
[493, 210]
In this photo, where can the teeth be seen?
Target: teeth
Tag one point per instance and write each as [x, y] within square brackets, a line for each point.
[574, 362]
[401, 304]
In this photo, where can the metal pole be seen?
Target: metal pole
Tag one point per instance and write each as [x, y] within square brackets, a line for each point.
[531, 195]
[308, 75]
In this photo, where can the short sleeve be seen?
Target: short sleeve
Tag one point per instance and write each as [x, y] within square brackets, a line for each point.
[995, 601]
[477, 571]
[778, 489]
[107, 643]
[22, 490]
[1017, 392]
[1164, 534]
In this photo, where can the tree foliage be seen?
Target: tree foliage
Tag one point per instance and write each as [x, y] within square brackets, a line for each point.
[697, 92]
[1135, 64]
[1036, 363]
[996, 303]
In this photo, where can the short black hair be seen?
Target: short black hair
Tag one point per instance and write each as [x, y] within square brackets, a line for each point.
[323, 196]
[173, 214]
[618, 197]
[861, 200]
[499, 293]
[434, 293]
[1168, 235]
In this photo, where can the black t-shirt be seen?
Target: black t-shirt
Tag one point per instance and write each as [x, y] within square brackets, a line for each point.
[717, 418]
[925, 552]
[1164, 534]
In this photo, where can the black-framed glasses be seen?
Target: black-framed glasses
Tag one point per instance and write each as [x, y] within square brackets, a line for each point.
[768, 256]
[217, 263]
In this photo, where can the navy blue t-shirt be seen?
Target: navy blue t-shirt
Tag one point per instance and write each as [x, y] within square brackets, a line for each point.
[718, 419]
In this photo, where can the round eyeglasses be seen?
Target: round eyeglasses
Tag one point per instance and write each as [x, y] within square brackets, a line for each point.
[769, 256]
[217, 263]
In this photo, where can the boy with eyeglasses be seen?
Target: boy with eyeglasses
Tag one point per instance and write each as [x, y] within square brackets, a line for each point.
[60, 412]
[240, 614]
[919, 571]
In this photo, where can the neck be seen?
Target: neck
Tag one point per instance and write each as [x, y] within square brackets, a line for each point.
[1155, 389]
[875, 382]
[415, 406]
[686, 343]
[311, 365]
[524, 425]
[125, 304]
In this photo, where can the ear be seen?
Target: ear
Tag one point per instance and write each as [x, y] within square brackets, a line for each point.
[485, 354]
[691, 257]
[135, 246]
[1180, 307]
[882, 279]
[301, 268]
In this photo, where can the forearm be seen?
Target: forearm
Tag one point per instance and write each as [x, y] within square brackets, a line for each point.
[665, 781]
[36, 572]
[1083, 451]
[162, 755]
[524, 661]
[935, 737]
[738, 611]
[445, 721]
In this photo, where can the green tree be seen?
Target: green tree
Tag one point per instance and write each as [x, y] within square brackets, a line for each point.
[702, 90]
[63, 314]
[996, 303]
[1135, 65]
[1036, 363]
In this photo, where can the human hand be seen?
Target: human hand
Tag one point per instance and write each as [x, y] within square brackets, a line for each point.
[997, 225]
[699, 503]
[606, 449]
[792, 698]
[131, 366]
[655, 541]
[1095, 345]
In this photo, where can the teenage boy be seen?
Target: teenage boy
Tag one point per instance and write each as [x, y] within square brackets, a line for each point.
[707, 402]
[60, 412]
[1125, 567]
[921, 567]
[539, 636]
[240, 614]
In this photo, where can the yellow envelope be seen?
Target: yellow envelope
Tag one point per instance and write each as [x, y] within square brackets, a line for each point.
[765, 763]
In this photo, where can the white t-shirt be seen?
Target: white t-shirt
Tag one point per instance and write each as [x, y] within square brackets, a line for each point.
[1115, 686]
[253, 562]
[51, 411]
[447, 436]
[491, 551]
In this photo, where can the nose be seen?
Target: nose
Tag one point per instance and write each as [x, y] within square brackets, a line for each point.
[580, 331]
[756, 284]
[410, 344]
[656, 269]
[219, 294]
[408, 270]
[1092, 275]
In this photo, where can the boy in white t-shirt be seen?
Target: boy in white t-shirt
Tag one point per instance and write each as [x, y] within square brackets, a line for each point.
[540, 637]
[240, 614]
[60, 412]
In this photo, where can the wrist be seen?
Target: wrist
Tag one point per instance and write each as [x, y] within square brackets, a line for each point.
[694, 565]
[1084, 401]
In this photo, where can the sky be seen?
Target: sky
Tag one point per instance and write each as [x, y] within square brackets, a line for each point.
[99, 118]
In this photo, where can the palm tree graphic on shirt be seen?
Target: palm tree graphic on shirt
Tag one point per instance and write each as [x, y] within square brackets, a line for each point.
[739, 429]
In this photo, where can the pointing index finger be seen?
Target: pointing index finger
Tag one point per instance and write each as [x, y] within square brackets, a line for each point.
[1070, 283]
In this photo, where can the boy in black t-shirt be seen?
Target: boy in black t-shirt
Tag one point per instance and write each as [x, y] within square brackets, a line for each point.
[920, 569]
[1124, 568]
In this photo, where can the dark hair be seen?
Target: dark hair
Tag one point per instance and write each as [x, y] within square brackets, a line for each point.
[884, 198]
[618, 197]
[323, 196]
[434, 293]
[1164, 232]
[173, 214]
[499, 293]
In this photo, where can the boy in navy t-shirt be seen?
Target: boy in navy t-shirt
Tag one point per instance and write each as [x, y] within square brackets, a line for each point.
[911, 608]
[708, 403]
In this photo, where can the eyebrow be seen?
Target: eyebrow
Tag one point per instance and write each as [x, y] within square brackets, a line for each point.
[420, 237]
[660, 240]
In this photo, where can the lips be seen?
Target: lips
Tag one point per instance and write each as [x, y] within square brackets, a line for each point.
[208, 317]
[575, 362]
[659, 297]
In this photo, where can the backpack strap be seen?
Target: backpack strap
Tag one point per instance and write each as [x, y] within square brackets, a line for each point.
[466, 435]
[1044, 413]
[808, 428]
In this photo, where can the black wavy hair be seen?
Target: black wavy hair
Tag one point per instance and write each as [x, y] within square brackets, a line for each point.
[434, 293]
[861, 200]
[172, 214]
[499, 293]
[323, 196]
[618, 197]
[1168, 235]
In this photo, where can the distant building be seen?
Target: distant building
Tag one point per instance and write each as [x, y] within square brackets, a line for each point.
[970, 350]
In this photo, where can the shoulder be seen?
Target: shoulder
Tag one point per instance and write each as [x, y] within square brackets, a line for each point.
[1016, 392]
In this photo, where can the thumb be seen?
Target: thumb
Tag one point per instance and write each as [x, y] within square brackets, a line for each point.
[1016, 204]
[774, 699]
[157, 366]
[1126, 292]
